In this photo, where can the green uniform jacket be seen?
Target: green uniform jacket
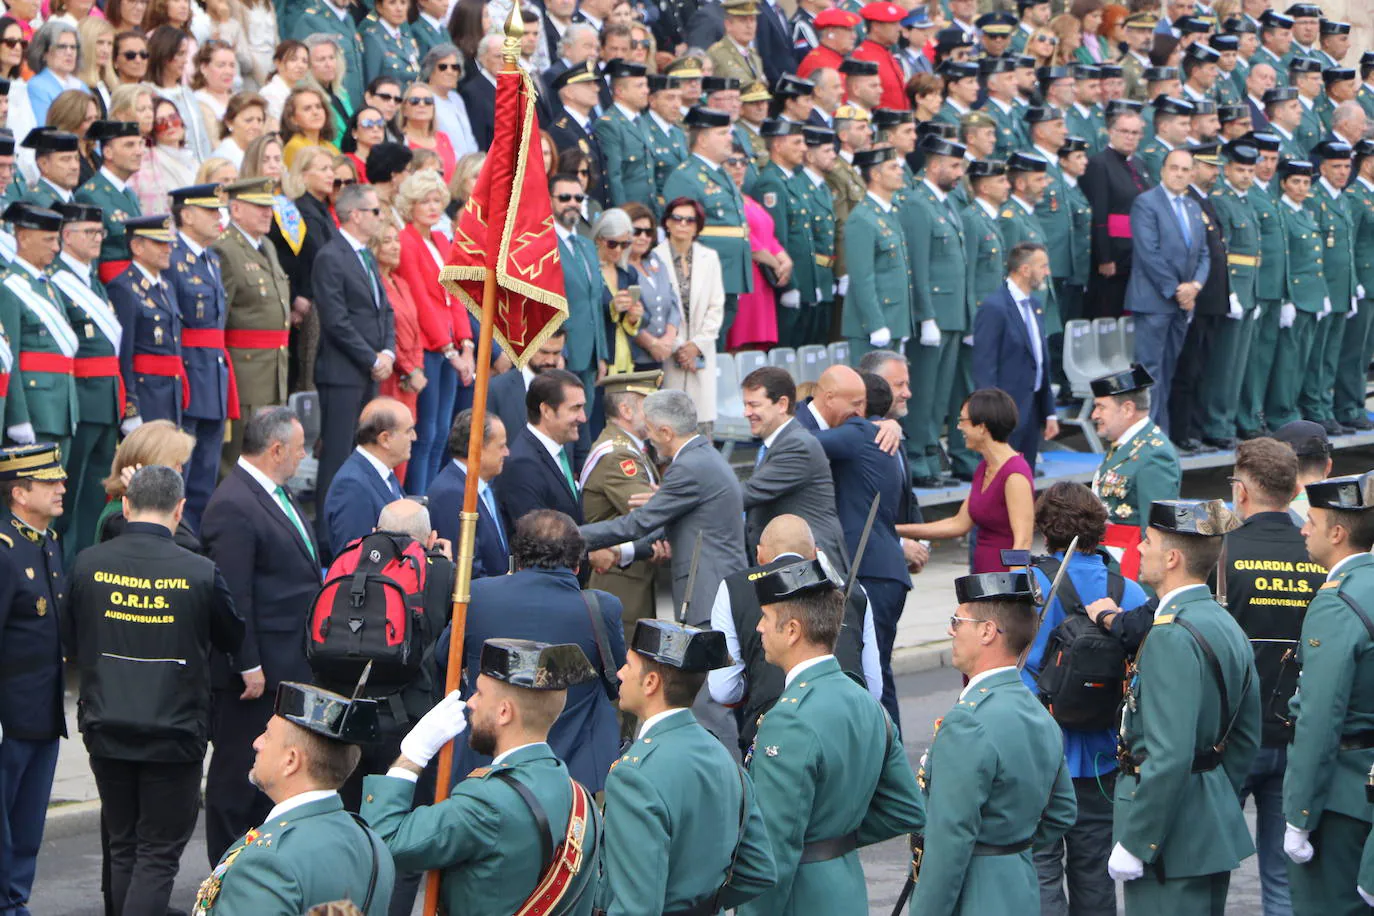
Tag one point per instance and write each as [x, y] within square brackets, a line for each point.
[1360, 202]
[1309, 132]
[669, 149]
[673, 822]
[1009, 137]
[1056, 220]
[1088, 123]
[1335, 697]
[629, 158]
[45, 399]
[824, 227]
[1337, 230]
[1190, 822]
[1271, 282]
[726, 60]
[1365, 96]
[42, 194]
[822, 772]
[938, 252]
[1241, 232]
[318, 18]
[949, 114]
[725, 231]
[1263, 55]
[880, 273]
[1022, 225]
[1081, 237]
[996, 775]
[1133, 475]
[315, 853]
[785, 199]
[1151, 156]
[427, 35]
[987, 252]
[258, 297]
[97, 398]
[483, 837]
[116, 206]
[847, 190]
[1133, 71]
[617, 474]
[1306, 286]
[1225, 91]
[755, 151]
[1290, 147]
[385, 55]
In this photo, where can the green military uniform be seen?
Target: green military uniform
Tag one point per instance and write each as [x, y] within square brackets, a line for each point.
[1270, 280]
[7, 361]
[725, 230]
[1080, 238]
[1364, 95]
[755, 151]
[1348, 402]
[386, 54]
[1336, 227]
[428, 33]
[1056, 223]
[727, 60]
[949, 114]
[117, 204]
[1151, 156]
[1324, 785]
[785, 198]
[1310, 131]
[16, 188]
[824, 229]
[1306, 289]
[847, 191]
[319, 18]
[44, 194]
[1135, 473]
[1089, 123]
[36, 319]
[1022, 224]
[1291, 146]
[1009, 134]
[1225, 90]
[1133, 72]
[669, 149]
[879, 269]
[987, 250]
[629, 158]
[1221, 383]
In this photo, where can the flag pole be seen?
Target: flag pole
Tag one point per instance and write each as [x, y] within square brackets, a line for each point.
[467, 537]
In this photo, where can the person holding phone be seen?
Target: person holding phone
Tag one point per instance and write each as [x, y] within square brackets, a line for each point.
[658, 331]
[612, 233]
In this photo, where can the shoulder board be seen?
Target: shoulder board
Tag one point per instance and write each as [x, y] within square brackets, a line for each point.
[1334, 583]
[1163, 619]
[6, 540]
[480, 773]
[1008, 214]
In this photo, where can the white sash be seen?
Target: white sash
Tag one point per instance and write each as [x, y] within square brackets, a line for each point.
[9, 248]
[97, 309]
[47, 312]
[6, 355]
[601, 451]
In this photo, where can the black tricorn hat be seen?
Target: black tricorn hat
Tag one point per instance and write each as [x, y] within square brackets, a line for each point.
[706, 117]
[1164, 104]
[937, 129]
[78, 212]
[1304, 65]
[1040, 114]
[535, 665]
[1202, 53]
[326, 713]
[720, 83]
[1334, 27]
[51, 140]
[957, 69]
[1202, 517]
[30, 216]
[995, 586]
[1265, 142]
[799, 578]
[791, 87]
[853, 66]
[1027, 162]
[940, 146]
[781, 127]
[1279, 94]
[990, 65]
[1337, 74]
[986, 168]
[619, 68]
[1073, 145]
[6, 143]
[110, 130]
[1228, 113]
[1159, 74]
[888, 118]
[1221, 43]
[1124, 382]
[818, 136]
[1111, 71]
[1353, 493]
[679, 646]
[874, 155]
[1116, 106]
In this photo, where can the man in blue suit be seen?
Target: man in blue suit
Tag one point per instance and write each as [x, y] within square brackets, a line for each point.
[367, 480]
[543, 601]
[1010, 351]
[588, 297]
[492, 554]
[1169, 264]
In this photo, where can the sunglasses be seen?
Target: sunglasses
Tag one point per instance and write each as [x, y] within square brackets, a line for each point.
[1048, 39]
[14, 42]
[371, 122]
[615, 245]
[130, 55]
[679, 218]
[344, 182]
[640, 43]
[955, 620]
[421, 100]
[736, 162]
[444, 68]
[63, 47]
[168, 122]
[566, 198]
[387, 96]
[643, 233]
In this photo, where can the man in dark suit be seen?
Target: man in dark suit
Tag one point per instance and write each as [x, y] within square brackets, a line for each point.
[1113, 180]
[539, 473]
[492, 554]
[367, 480]
[1010, 351]
[479, 91]
[506, 392]
[357, 328]
[791, 474]
[773, 39]
[258, 536]
[543, 601]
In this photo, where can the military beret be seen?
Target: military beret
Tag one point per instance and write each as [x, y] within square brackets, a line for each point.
[1271, 19]
[1304, 11]
[958, 69]
[1087, 72]
[205, 196]
[679, 646]
[1221, 43]
[1200, 517]
[111, 130]
[1073, 145]
[792, 87]
[1201, 54]
[1240, 152]
[1111, 71]
[932, 145]
[836, 19]
[1337, 75]
[1045, 75]
[1027, 162]
[1352, 493]
[1331, 149]
[1264, 142]
[1290, 168]
[1280, 94]
[879, 11]
[1168, 105]
[328, 714]
[1238, 25]
[1135, 378]
[619, 68]
[51, 140]
[947, 40]
[853, 66]
[819, 136]
[1194, 25]
[29, 216]
[700, 116]
[1041, 114]
[888, 118]
[994, 586]
[990, 65]
[997, 23]
[1228, 113]
[78, 212]
[804, 576]
[711, 84]
[1304, 65]
[780, 127]
[41, 461]
[1159, 74]
[986, 168]
[1333, 27]
[535, 665]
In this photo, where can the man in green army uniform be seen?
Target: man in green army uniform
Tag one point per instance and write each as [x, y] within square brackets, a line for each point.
[734, 55]
[1141, 465]
[754, 99]
[1348, 402]
[1276, 44]
[1073, 163]
[309, 850]
[624, 143]
[388, 48]
[1324, 801]
[1330, 209]
[999, 81]
[258, 297]
[1339, 85]
[1306, 76]
[1171, 124]
[853, 129]
[987, 252]
[1048, 131]
[941, 305]
[1304, 296]
[1084, 117]
[980, 828]
[1270, 280]
[42, 405]
[1284, 111]
[1240, 229]
[667, 142]
[323, 17]
[877, 259]
[818, 160]
[108, 189]
[1226, 90]
[827, 763]
[486, 837]
[1138, 29]
[1190, 729]
[783, 193]
[961, 90]
[57, 155]
[683, 829]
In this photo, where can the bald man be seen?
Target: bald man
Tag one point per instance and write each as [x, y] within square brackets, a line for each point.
[367, 481]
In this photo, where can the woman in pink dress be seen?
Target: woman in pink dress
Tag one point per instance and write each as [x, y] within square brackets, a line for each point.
[1001, 502]
[756, 322]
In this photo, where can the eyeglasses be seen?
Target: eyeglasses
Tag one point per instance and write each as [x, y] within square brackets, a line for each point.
[955, 620]
[643, 233]
[129, 55]
[737, 162]
[565, 198]
[344, 182]
[680, 218]
[444, 68]
[640, 43]
[14, 42]
[421, 100]
[615, 245]
[168, 122]
[63, 48]
[387, 96]
[97, 233]
[371, 122]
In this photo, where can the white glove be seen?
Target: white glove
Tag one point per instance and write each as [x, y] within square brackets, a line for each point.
[1237, 310]
[1366, 896]
[1288, 313]
[930, 333]
[438, 727]
[130, 424]
[790, 299]
[842, 285]
[1326, 308]
[880, 338]
[1359, 291]
[1354, 308]
[1296, 845]
[1123, 866]
[23, 434]
[1255, 313]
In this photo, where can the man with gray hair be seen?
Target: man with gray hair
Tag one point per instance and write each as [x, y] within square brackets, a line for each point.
[479, 92]
[698, 502]
[145, 727]
[441, 69]
[1349, 122]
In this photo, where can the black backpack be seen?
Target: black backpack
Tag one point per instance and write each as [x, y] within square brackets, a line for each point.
[1083, 671]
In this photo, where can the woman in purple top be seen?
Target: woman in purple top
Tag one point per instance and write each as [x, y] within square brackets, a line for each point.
[1002, 500]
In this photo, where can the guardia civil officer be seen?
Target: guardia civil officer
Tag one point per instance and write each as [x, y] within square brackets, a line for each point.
[1003, 785]
[1141, 464]
[140, 620]
[493, 837]
[1190, 727]
[309, 850]
[683, 830]
[1324, 802]
[828, 765]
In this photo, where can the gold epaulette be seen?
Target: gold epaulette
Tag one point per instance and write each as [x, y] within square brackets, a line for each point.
[1163, 619]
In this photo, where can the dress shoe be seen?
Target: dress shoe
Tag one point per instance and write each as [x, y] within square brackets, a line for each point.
[927, 483]
[1361, 423]
[1333, 428]
[1224, 443]
[1188, 446]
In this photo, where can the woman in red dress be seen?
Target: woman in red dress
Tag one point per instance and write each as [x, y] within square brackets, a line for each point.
[408, 378]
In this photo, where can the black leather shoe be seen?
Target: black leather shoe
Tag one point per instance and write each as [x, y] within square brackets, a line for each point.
[1333, 428]
[1225, 444]
[1363, 424]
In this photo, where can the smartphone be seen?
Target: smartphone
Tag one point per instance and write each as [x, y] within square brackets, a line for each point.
[633, 291]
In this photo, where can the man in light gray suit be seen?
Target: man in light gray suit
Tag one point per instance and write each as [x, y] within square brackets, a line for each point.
[1169, 264]
[792, 474]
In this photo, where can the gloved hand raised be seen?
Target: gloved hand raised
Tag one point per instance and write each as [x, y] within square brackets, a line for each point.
[439, 726]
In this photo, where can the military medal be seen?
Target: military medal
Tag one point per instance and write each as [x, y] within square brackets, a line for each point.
[42, 606]
[157, 335]
[90, 330]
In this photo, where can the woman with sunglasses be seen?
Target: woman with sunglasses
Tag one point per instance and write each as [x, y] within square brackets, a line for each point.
[612, 234]
[126, 15]
[756, 321]
[444, 323]
[1042, 46]
[365, 130]
[699, 285]
[168, 164]
[97, 54]
[54, 57]
[305, 122]
[245, 119]
[441, 71]
[658, 329]
[292, 63]
[217, 70]
[417, 125]
[130, 62]
[169, 53]
[20, 119]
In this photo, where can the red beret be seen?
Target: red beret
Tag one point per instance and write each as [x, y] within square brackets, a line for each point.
[836, 18]
[883, 12]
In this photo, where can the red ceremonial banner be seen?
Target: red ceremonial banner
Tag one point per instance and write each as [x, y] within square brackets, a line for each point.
[507, 228]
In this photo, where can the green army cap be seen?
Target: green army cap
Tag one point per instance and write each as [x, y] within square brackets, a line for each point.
[632, 382]
[250, 190]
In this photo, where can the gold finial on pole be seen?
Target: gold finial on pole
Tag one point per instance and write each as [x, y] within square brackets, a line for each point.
[515, 31]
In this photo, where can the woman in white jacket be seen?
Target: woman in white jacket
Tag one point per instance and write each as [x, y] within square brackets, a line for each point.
[700, 288]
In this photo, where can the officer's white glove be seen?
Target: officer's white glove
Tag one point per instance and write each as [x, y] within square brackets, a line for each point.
[438, 727]
[130, 424]
[1123, 866]
[1366, 896]
[968, 340]
[1255, 313]
[1288, 313]
[930, 333]
[842, 285]
[1237, 310]
[1296, 845]
[880, 338]
[23, 434]
[1326, 308]
[1354, 308]
[790, 299]
[1359, 291]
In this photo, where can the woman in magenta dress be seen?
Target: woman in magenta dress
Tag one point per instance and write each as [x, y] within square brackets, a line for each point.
[756, 322]
[1002, 500]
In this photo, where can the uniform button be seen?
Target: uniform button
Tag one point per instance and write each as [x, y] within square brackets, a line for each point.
[369, 798]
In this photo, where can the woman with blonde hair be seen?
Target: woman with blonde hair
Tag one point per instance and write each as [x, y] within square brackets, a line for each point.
[159, 442]
[245, 119]
[97, 58]
[407, 381]
[305, 123]
[134, 102]
[212, 85]
[74, 111]
[465, 173]
[1042, 46]
[312, 175]
[1069, 31]
[217, 170]
[417, 122]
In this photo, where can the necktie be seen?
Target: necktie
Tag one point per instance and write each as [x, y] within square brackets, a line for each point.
[1032, 331]
[371, 271]
[758, 459]
[395, 483]
[485, 493]
[290, 511]
[1182, 213]
[567, 471]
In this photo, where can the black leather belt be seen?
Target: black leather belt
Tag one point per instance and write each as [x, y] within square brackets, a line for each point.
[1361, 741]
[991, 849]
[825, 850]
[1203, 761]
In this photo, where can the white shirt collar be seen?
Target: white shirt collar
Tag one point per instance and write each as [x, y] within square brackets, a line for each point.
[387, 27]
[1022, 204]
[988, 208]
[683, 446]
[709, 164]
[553, 448]
[884, 205]
[152, 277]
[1330, 188]
[983, 676]
[34, 271]
[1016, 292]
[957, 106]
[939, 195]
[110, 177]
[1282, 133]
[632, 115]
[297, 801]
[1082, 109]
[1295, 207]
[62, 193]
[434, 22]
[820, 420]
[662, 124]
[382, 470]
[799, 667]
[773, 436]
[1174, 593]
[1365, 181]
[1306, 102]
[1005, 106]
[267, 483]
[81, 270]
[1051, 157]
[256, 243]
[567, 236]
[1132, 430]
[816, 177]
[352, 242]
[655, 719]
[504, 754]
[196, 250]
[1331, 573]
[463, 466]
[1234, 190]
